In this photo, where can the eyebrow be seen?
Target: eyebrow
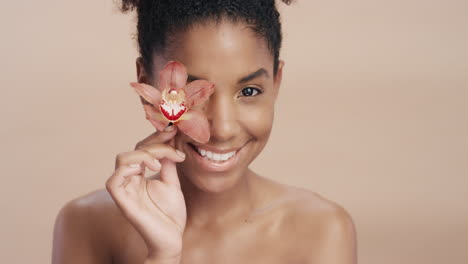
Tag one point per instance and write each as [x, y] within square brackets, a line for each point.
[244, 79]
[253, 75]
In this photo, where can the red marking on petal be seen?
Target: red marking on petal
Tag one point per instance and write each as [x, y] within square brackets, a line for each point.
[155, 117]
[172, 112]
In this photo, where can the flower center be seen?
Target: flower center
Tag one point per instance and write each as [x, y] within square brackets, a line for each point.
[173, 105]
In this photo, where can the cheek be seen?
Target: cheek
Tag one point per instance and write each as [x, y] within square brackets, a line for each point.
[258, 119]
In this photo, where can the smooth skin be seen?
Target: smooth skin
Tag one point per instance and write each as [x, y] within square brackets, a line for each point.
[188, 214]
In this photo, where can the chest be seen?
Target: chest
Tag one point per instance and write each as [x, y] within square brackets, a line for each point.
[234, 248]
[246, 245]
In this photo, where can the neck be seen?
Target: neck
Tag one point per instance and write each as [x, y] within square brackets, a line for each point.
[212, 208]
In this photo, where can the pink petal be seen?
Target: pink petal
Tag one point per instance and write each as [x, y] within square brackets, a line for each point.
[197, 92]
[148, 92]
[196, 126]
[172, 76]
[156, 118]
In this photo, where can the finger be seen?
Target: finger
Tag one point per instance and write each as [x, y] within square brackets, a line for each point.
[116, 186]
[168, 172]
[147, 155]
[119, 177]
[160, 151]
[158, 137]
[140, 158]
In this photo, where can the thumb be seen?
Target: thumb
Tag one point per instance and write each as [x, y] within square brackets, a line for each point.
[168, 172]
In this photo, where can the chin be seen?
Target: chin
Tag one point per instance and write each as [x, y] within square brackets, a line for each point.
[216, 169]
[213, 183]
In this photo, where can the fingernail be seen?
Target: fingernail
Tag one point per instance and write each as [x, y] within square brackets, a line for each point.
[180, 153]
[134, 165]
[157, 163]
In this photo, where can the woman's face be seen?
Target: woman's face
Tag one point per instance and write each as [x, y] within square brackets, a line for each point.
[240, 110]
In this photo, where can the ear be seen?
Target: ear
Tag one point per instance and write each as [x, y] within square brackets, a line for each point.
[141, 76]
[278, 77]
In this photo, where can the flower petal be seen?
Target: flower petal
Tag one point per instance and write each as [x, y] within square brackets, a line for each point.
[148, 92]
[172, 76]
[195, 125]
[197, 92]
[155, 117]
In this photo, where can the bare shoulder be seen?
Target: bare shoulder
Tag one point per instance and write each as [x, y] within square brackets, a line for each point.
[87, 223]
[297, 201]
[98, 209]
[318, 210]
[94, 199]
[95, 206]
[322, 226]
[319, 229]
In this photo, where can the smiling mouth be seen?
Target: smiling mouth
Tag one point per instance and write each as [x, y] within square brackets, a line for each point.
[214, 156]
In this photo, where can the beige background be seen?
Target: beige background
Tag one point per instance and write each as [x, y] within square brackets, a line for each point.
[372, 114]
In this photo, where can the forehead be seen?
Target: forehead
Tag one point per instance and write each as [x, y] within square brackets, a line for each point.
[221, 51]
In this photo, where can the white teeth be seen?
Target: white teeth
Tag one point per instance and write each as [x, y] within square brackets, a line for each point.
[216, 156]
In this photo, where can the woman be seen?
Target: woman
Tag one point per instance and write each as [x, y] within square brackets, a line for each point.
[205, 205]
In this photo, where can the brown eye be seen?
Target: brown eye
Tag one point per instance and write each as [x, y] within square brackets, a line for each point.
[250, 91]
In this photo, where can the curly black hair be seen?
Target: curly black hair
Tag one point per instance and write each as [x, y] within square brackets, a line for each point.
[158, 19]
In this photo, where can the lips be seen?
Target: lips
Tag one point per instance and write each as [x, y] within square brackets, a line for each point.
[215, 160]
[215, 156]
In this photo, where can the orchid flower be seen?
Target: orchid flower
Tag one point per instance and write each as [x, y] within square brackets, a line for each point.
[174, 100]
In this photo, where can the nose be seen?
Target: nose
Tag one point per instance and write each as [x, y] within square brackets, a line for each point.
[222, 117]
